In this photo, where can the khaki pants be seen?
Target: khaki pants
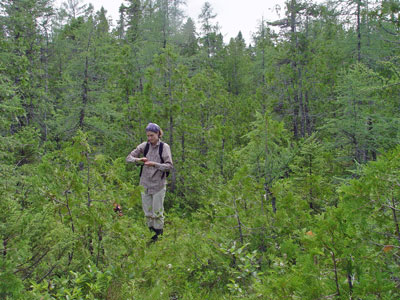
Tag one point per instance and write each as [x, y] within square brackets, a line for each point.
[153, 207]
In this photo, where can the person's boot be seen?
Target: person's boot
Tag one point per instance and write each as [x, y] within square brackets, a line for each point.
[154, 237]
[158, 232]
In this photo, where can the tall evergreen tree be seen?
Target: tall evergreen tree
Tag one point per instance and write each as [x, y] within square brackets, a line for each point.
[211, 40]
[22, 24]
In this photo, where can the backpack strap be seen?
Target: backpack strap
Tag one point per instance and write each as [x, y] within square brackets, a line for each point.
[146, 150]
[160, 151]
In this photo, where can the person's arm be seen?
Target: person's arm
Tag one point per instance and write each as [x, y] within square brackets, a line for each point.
[167, 165]
[134, 155]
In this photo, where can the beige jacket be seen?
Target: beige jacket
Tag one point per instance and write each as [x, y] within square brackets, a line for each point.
[151, 178]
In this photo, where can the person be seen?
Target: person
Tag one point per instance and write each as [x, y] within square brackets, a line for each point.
[155, 167]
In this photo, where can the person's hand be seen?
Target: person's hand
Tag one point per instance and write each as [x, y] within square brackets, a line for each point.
[150, 163]
[143, 159]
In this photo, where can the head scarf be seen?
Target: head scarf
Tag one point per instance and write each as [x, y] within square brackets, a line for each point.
[153, 127]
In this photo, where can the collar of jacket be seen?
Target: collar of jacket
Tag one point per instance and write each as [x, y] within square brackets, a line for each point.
[157, 144]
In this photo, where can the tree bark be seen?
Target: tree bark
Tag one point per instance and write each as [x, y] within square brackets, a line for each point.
[85, 83]
[5, 241]
[239, 222]
[335, 271]
[84, 93]
[396, 223]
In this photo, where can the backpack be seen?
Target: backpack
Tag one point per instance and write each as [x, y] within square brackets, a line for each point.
[160, 151]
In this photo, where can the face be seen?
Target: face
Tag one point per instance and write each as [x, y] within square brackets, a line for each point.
[152, 137]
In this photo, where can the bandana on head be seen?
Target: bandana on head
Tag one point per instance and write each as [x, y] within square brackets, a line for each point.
[153, 127]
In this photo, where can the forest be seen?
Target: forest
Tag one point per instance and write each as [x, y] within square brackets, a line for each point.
[286, 180]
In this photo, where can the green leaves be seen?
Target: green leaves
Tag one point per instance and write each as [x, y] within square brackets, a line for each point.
[362, 124]
[91, 283]
[271, 196]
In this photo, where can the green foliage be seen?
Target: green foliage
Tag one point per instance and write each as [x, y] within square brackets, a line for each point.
[90, 284]
[370, 205]
[313, 172]
[269, 149]
[286, 181]
[11, 287]
[362, 125]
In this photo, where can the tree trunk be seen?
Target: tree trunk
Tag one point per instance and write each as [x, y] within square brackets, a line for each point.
[183, 147]
[311, 190]
[266, 182]
[100, 238]
[239, 222]
[203, 144]
[85, 84]
[396, 223]
[308, 120]
[295, 122]
[89, 200]
[349, 279]
[336, 274]
[165, 23]
[46, 84]
[5, 241]
[171, 124]
[84, 93]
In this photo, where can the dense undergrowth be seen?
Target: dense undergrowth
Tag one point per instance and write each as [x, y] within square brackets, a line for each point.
[286, 153]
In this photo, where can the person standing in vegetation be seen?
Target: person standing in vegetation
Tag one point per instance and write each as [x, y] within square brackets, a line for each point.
[156, 164]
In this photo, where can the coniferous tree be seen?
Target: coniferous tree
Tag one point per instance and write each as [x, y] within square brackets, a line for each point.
[210, 38]
[188, 43]
[236, 68]
[22, 25]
